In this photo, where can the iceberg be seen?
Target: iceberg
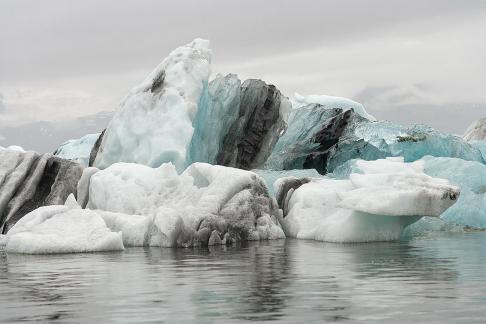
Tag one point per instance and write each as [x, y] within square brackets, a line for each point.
[29, 180]
[77, 150]
[324, 139]
[476, 131]
[189, 208]
[154, 123]
[373, 205]
[331, 102]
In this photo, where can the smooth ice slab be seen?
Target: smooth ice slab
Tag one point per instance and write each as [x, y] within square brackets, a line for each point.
[154, 123]
[374, 205]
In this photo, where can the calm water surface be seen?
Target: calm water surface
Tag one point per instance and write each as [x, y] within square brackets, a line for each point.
[425, 280]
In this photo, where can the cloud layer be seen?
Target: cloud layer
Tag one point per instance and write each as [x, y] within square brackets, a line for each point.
[411, 62]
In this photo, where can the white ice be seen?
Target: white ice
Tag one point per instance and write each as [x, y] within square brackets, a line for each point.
[61, 229]
[375, 205]
[331, 102]
[179, 205]
[154, 123]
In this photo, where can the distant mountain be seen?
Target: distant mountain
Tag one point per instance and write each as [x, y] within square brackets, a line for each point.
[45, 136]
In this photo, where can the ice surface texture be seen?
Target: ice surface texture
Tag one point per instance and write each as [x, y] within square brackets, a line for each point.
[29, 180]
[154, 123]
[218, 109]
[374, 205]
[186, 210]
[470, 209]
[78, 150]
[322, 138]
[61, 229]
[262, 118]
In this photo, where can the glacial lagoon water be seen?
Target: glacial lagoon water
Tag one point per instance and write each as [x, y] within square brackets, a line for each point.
[436, 279]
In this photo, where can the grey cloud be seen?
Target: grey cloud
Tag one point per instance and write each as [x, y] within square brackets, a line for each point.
[2, 105]
[335, 47]
[452, 117]
[45, 136]
[44, 39]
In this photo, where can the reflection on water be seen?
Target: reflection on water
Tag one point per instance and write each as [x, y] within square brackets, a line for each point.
[431, 280]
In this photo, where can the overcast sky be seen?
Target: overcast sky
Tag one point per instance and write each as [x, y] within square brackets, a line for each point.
[64, 65]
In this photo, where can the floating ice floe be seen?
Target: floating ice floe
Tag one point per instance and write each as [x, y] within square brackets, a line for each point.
[373, 205]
